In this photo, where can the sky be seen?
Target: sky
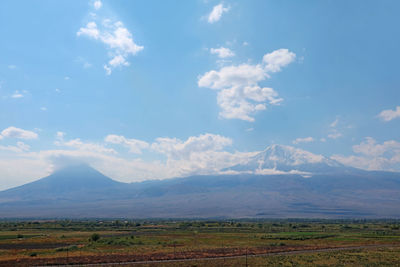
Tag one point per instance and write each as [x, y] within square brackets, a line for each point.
[157, 89]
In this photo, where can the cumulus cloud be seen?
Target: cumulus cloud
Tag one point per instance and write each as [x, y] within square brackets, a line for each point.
[216, 13]
[175, 148]
[277, 59]
[13, 132]
[388, 114]
[222, 52]
[116, 37]
[203, 154]
[134, 145]
[239, 93]
[373, 156]
[303, 140]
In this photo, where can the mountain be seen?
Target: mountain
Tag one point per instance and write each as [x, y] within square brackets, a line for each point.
[304, 186]
[80, 181]
[287, 159]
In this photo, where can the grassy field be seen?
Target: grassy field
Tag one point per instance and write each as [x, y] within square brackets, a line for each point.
[25, 243]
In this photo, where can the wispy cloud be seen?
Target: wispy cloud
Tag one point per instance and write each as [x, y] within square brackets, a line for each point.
[303, 140]
[335, 135]
[17, 94]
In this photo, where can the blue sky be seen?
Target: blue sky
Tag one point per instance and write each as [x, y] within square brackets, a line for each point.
[158, 89]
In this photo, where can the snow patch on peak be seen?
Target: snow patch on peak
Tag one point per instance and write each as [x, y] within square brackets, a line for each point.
[281, 159]
[289, 155]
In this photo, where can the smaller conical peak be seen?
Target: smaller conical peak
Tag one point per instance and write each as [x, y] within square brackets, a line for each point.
[76, 168]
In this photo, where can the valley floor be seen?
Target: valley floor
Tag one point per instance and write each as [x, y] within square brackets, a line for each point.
[201, 243]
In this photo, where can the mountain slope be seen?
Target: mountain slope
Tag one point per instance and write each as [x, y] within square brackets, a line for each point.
[82, 192]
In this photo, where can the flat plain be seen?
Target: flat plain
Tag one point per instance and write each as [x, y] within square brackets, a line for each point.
[200, 242]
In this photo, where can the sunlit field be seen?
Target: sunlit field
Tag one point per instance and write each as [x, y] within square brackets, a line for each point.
[201, 243]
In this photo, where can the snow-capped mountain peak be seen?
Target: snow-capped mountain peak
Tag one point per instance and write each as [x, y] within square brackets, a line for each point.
[281, 158]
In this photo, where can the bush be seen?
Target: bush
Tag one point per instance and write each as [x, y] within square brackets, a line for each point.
[95, 237]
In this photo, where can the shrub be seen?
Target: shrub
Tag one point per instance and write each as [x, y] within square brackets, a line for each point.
[95, 237]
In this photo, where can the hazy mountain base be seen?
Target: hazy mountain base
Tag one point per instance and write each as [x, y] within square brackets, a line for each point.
[83, 193]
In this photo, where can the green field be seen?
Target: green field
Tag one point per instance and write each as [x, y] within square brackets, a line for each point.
[201, 243]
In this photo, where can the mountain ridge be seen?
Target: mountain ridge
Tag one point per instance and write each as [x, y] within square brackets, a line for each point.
[330, 190]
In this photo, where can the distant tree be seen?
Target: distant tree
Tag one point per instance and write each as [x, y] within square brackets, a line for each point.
[95, 237]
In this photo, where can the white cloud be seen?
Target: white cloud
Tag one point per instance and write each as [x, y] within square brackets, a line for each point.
[118, 61]
[277, 59]
[134, 145]
[11, 67]
[97, 5]
[388, 114]
[43, 109]
[335, 135]
[370, 148]
[334, 132]
[116, 37]
[15, 149]
[66, 78]
[78, 144]
[175, 148]
[334, 123]
[216, 13]
[107, 69]
[202, 154]
[373, 156]
[85, 64]
[90, 30]
[17, 94]
[57, 90]
[60, 137]
[13, 132]
[222, 52]
[239, 94]
[303, 140]
[23, 146]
